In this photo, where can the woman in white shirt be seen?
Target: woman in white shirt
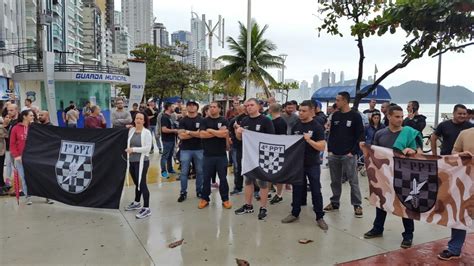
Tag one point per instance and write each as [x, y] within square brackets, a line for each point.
[138, 148]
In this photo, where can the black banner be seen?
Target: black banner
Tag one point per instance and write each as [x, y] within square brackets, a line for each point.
[80, 167]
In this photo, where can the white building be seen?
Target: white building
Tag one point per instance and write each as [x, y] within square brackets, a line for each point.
[316, 83]
[74, 31]
[160, 35]
[304, 90]
[12, 37]
[198, 34]
[137, 16]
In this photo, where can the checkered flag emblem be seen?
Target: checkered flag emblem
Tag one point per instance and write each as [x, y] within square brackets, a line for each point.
[74, 166]
[271, 157]
[416, 183]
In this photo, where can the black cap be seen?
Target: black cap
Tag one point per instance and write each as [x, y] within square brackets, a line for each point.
[192, 102]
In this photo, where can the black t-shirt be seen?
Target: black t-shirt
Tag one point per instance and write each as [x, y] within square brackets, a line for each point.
[166, 122]
[418, 122]
[68, 108]
[368, 111]
[133, 114]
[347, 130]
[214, 146]
[321, 118]
[260, 124]
[236, 143]
[12, 123]
[449, 131]
[311, 155]
[191, 124]
[152, 115]
[281, 128]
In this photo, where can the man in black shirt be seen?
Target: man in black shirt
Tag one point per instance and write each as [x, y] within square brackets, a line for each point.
[449, 130]
[237, 150]
[371, 109]
[152, 112]
[414, 119]
[214, 135]
[386, 138]
[259, 123]
[191, 148]
[281, 128]
[346, 131]
[313, 134]
[168, 138]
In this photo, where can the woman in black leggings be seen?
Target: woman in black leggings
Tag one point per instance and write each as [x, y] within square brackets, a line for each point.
[138, 148]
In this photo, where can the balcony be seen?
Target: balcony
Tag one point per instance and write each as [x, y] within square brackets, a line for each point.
[72, 68]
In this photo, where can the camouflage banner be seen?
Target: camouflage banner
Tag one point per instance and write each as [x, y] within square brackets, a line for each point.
[437, 190]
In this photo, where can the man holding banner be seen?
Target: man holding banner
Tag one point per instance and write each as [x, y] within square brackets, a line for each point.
[386, 138]
[313, 134]
[258, 123]
[464, 146]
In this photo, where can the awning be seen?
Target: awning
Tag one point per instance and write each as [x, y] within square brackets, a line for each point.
[327, 94]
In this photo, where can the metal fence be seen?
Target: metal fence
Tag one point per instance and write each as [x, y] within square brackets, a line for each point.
[72, 68]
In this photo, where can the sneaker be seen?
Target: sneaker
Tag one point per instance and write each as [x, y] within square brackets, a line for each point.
[322, 224]
[227, 204]
[28, 201]
[276, 199]
[182, 197]
[406, 243]
[203, 204]
[447, 255]
[133, 206]
[262, 213]
[48, 201]
[143, 213]
[215, 185]
[358, 211]
[235, 192]
[244, 209]
[331, 207]
[289, 219]
[164, 174]
[372, 234]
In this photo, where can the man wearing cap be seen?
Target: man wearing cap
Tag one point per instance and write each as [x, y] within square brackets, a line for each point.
[191, 148]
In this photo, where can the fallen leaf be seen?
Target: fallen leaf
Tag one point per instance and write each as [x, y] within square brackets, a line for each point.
[241, 262]
[176, 243]
[305, 241]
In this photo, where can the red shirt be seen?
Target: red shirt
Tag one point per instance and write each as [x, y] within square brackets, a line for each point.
[94, 122]
[18, 137]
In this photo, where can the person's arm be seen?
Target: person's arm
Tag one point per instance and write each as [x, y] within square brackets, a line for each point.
[184, 134]
[204, 134]
[127, 120]
[13, 147]
[434, 147]
[316, 140]
[221, 133]
[359, 133]
[166, 126]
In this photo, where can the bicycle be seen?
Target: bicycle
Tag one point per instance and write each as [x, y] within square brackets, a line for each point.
[427, 141]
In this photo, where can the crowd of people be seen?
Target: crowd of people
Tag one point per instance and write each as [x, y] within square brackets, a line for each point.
[205, 141]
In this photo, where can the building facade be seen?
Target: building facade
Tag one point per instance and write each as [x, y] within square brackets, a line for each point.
[137, 16]
[160, 35]
[198, 35]
[74, 32]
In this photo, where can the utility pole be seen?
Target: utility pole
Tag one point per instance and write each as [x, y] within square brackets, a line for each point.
[438, 92]
[218, 32]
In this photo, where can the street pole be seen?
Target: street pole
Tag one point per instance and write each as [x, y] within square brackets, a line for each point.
[249, 48]
[283, 57]
[438, 93]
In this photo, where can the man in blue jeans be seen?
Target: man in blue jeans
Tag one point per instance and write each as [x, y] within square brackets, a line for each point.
[313, 133]
[215, 136]
[191, 148]
[386, 137]
[168, 138]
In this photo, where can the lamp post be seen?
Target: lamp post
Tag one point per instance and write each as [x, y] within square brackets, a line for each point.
[249, 48]
[283, 59]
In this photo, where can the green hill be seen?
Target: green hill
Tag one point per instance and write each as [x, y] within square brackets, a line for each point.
[426, 93]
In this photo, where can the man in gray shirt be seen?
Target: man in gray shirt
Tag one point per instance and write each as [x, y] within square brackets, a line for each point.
[290, 116]
[121, 117]
[386, 138]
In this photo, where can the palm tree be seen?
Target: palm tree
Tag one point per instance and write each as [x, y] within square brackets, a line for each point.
[234, 73]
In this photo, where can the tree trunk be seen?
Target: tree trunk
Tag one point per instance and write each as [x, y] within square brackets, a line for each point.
[360, 45]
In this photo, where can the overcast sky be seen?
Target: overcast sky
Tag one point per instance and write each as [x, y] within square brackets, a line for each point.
[292, 27]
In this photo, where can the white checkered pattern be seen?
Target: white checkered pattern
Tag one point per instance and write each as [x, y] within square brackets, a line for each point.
[75, 183]
[271, 162]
